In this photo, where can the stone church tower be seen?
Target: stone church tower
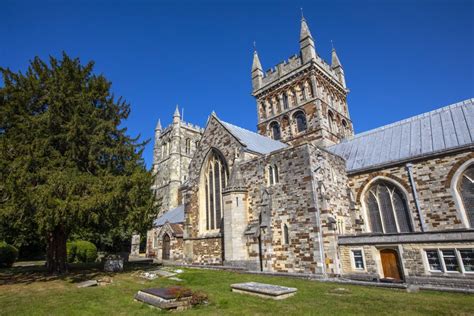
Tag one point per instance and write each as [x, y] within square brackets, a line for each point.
[303, 98]
[173, 151]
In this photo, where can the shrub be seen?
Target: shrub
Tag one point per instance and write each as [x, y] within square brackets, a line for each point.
[81, 251]
[8, 254]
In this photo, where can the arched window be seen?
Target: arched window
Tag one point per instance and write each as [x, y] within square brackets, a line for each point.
[188, 146]
[263, 110]
[465, 188]
[294, 99]
[387, 208]
[285, 101]
[300, 119]
[273, 175]
[286, 236]
[344, 128]
[275, 127]
[216, 176]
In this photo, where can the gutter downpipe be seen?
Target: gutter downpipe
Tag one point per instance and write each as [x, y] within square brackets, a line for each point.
[318, 220]
[409, 167]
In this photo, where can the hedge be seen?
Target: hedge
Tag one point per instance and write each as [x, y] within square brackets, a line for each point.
[81, 251]
[8, 254]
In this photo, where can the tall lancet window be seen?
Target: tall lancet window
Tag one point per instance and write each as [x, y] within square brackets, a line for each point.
[275, 127]
[387, 208]
[216, 177]
[465, 189]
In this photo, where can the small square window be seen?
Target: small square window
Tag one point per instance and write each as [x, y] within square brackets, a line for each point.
[450, 260]
[433, 260]
[358, 259]
[467, 257]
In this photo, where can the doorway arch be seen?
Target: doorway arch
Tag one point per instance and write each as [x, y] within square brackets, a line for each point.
[166, 247]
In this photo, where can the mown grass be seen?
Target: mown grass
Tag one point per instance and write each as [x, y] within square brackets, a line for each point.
[29, 291]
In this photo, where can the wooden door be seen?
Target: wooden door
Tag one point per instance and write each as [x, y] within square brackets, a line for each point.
[391, 269]
[166, 247]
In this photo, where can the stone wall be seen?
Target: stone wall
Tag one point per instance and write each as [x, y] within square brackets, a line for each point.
[433, 184]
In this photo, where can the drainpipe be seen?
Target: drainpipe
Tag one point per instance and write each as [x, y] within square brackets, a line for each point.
[320, 229]
[409, 167]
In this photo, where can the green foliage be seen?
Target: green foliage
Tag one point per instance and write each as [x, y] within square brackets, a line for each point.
[67, 165]
[81, 251]
[8, 254]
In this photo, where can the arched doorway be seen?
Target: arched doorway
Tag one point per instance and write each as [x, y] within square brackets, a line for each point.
[390, 264]
[166, 247]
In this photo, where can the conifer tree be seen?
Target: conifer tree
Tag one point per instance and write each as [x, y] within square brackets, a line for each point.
[66, 161]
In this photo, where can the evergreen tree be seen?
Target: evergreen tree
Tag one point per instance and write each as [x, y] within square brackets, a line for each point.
[66, 162]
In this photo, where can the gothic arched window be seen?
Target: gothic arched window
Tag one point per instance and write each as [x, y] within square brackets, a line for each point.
[216, 176]
[344, 128]
[465, 188]
[300, 118]
[310, 90]
[387, 208]
[275, 127]
[273, 175]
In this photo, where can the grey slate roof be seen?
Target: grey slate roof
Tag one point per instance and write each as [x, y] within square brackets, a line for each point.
[174, 216]
[254, 142]
[441, 130]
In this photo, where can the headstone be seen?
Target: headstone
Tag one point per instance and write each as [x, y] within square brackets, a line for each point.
[135, 249]
[113, 264]
[275, 292]
[171, 298]
[87, 283]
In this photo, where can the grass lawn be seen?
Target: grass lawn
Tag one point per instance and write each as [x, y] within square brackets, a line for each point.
[29, 291]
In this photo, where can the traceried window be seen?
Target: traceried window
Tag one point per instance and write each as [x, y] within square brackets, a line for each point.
[465, 189]
[216, 177]
[275, 128]
[300, 119]
[387, 208]
[332, 123]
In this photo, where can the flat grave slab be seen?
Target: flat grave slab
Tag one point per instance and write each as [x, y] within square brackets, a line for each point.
[87, 283]
[171, 298]
[275, 292]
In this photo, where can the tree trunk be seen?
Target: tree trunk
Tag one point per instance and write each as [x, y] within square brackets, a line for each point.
[56, 253]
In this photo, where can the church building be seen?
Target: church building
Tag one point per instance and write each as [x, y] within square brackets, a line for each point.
[304, 195]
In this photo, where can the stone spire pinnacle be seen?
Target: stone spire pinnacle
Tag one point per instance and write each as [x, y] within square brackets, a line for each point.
[176, 112]
[257, 73]
[256, 65]
[334, 59]
[304, 33]
[158, 126]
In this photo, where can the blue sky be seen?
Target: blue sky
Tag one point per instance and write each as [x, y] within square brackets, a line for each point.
[401, 58]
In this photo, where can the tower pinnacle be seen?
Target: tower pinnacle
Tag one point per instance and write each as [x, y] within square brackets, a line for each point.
[158, 125]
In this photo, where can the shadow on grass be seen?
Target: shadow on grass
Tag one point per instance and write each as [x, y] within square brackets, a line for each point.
[78, 272]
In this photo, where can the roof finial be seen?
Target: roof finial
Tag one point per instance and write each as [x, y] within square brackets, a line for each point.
[254, 46]
[302, 15]
[332, 45]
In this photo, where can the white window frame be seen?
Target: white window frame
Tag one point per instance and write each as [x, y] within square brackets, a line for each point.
[354, 268]
[443, 264]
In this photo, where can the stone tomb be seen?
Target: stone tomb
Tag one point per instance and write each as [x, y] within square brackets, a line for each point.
[275, 292]
[171, 298]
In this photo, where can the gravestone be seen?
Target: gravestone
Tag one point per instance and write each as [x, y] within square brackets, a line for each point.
[113, 263]
[275, 292]
[171, 298]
